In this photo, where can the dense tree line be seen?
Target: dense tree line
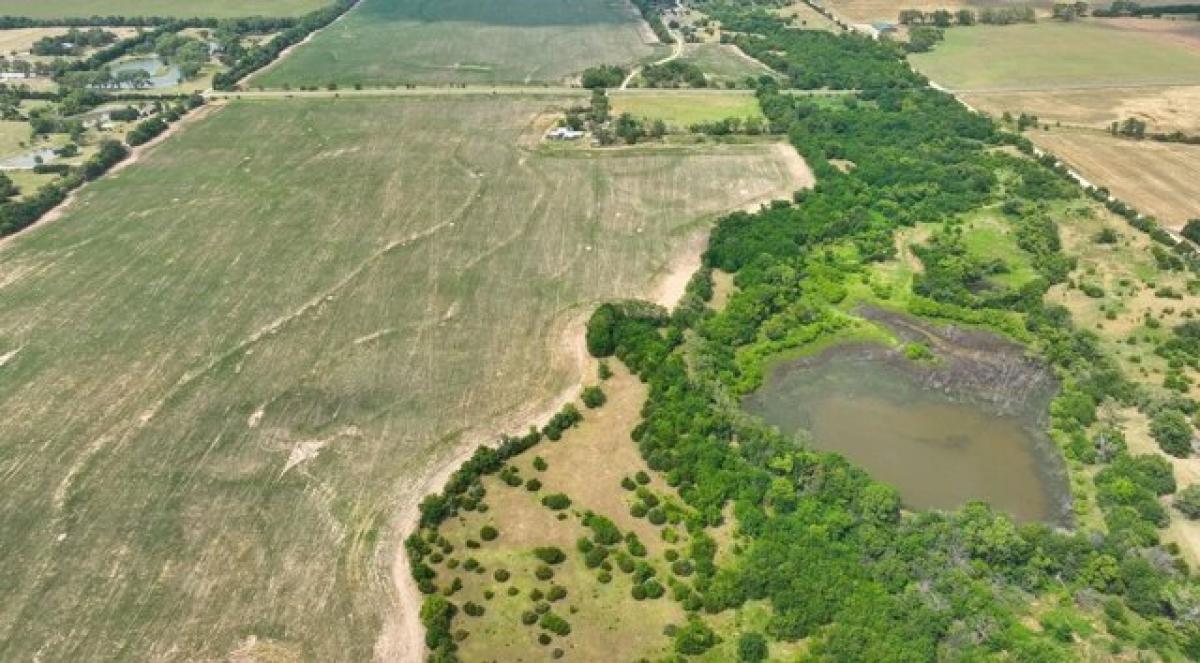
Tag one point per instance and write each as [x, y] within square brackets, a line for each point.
[673, 74]
[1129, 8]
[814, 59]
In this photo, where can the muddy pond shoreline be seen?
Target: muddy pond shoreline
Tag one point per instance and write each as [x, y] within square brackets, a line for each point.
[970, 423]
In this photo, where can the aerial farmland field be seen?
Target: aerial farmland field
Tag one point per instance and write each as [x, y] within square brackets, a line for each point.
[180, 8]
[389, 42]
[1058, 55]
[228, 369]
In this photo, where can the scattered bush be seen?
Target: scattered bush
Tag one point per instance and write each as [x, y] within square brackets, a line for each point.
[501, 575]
[594, 397]
[539, 464]
[556, 501]
[550, 554]
[488, 533]
[543, 572]
[533, 485]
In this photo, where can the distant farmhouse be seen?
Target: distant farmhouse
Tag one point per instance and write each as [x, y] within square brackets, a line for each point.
[564, 133]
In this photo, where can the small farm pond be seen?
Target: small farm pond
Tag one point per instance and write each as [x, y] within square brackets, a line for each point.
[969, 425]
[160, 75]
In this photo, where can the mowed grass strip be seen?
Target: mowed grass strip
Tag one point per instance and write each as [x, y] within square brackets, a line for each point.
[170, 8]
[389, 42]
[1057, 55]
[226, 367]
[683, 108]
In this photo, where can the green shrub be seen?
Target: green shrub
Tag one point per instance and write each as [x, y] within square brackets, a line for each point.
[594, 397]
[550, 554]
[695, 638]
[752, 648]
[533, 485]
[555, 624]
[556, 593]
[1170, 428]
[539, 464]
[543, 572]
[529, 618]
[488, 533]
[556, 501]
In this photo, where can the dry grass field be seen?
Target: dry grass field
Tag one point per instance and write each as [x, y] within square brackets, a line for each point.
[1056, 56]
[173, 8]
[1163, 109]
[228, 369]
[389, 42]
[1157, 178]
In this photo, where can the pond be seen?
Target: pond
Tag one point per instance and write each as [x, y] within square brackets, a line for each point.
[970, 424]
[160, 75]
[28, 160]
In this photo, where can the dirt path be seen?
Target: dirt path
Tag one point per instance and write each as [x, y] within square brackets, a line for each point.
[676, 51]
[135, 155]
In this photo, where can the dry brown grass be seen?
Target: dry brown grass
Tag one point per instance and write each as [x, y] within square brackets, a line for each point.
[1157, 178]
[1164, 109]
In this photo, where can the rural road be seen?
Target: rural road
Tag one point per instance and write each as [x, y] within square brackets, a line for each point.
[528, 90]
[676, 51]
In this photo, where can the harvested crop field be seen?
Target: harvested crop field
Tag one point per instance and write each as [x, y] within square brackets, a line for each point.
[229, 369]
[1163, 109]
[171, 8]
[389, 42]
[1157, 178]
[1057, 56]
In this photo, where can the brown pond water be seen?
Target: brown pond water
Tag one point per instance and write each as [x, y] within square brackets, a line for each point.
[943, 433]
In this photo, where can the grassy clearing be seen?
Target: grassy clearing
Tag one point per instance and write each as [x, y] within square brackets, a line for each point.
[173, 8]
[682, 109]
[384, 42]
[723, 62]
[227, 366]
[1157, 178]
[1054, 55]
[587, 465]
